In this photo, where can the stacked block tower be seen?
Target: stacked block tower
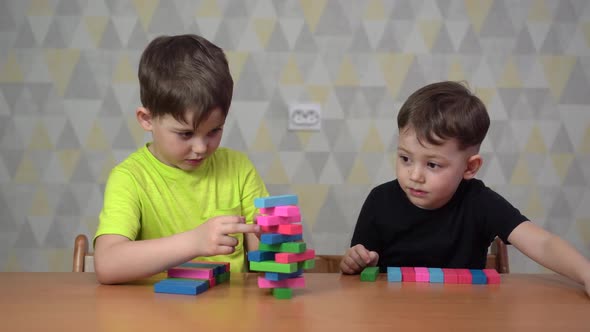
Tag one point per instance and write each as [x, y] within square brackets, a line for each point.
[193, 277]
[282, 254]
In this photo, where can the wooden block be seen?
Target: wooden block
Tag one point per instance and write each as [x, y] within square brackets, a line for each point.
[285, 257]
[274, 276]
[463, 276]
[478, 277]
[394, 274]
[190, 272]
[268, 220]
[306, 265]
[267, 211]
[370, 273]
[272, 201]
[435, 275]
[185, 287]
[275, 238]
[271, 266]
[221, 278]
[422, 274]
[293, 247]
[290, 229]
[450, 276]
[408, 274]
[287, 211]
[217, 268]
[270, 229]
[259, 256]
[282, 293]
[298, 282]
[493, 277]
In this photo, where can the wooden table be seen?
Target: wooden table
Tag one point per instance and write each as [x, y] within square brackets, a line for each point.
[330, 302]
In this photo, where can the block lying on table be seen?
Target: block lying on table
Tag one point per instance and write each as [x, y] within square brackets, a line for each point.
[185, 286]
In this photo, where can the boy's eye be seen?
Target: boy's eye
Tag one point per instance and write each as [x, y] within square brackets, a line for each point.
[404, 159]
[186, 134]
[432, 165]
[215, 131]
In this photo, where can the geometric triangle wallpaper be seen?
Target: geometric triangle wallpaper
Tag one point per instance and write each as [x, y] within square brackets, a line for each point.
[68, 91]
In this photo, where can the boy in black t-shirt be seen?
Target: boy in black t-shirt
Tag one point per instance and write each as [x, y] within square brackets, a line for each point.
[436, 214]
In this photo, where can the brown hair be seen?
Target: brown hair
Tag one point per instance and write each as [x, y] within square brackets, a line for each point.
[445, 110]
[184, 73]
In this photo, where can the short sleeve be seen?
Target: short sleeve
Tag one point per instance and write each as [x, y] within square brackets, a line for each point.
[121, 212]
[500, 217]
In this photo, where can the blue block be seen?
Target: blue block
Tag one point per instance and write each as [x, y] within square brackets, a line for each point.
[436, 275]
[185, 287]
[275, 276]
[274, 238]
[259, 256]
[394, 274]
[478, 277]
[272, 201]
[217, 268]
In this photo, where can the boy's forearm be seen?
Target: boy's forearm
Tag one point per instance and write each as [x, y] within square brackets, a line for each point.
[561, 257]
[131, 260]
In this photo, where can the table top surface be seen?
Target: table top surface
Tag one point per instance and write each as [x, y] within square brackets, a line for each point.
[522, 302]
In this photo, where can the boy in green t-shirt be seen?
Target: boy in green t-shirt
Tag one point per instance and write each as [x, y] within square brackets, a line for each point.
[179, 197]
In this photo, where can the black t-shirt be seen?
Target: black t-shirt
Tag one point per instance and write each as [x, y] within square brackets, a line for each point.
[456, 235]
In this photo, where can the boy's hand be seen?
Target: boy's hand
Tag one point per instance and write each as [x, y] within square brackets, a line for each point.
[259, 233]
[214, 236]
[357, 258]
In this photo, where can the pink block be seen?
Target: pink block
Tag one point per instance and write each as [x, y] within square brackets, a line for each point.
[298, 282]
[193, 273]
[285, 257]
[492, 275]
[290, 219]
[450, 276]
[268, 220]
[286, 211]
[408, 274]
[422, 274]
[269, 229]
[464, 276]
[290, 229]
[268, 210]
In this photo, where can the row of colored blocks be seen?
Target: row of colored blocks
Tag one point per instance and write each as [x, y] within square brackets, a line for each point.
[193, 277]
[281, 253]
[434, 275]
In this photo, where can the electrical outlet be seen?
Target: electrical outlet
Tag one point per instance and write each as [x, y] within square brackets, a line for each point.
[305, 117]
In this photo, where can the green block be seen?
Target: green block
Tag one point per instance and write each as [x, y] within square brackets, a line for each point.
[370, 273]
[282, 293]
[292, 247]
[220, 278]
[308, 264]
[272, 266]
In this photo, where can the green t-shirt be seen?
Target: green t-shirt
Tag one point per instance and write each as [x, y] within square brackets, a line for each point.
[146, 199]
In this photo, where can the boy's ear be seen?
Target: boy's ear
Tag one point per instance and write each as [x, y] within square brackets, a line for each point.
[473, 165]
[144, 117]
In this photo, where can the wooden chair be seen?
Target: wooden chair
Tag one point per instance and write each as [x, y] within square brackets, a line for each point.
[497, 259]
[83, 259]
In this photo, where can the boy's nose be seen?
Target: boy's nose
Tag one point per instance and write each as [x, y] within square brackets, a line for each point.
[199, 146]
[416, 174]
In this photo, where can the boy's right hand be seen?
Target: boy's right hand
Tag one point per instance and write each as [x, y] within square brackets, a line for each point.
[357, 258]
[214, 236]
